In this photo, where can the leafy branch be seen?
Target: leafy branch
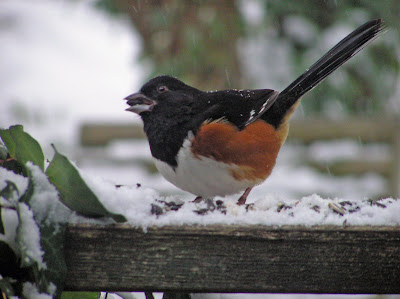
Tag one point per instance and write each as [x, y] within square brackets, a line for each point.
[43, 266]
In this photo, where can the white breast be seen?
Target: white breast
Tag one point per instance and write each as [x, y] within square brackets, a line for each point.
[203, 176]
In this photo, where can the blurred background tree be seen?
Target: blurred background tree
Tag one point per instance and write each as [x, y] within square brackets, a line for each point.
[193, 40]
[267, 44]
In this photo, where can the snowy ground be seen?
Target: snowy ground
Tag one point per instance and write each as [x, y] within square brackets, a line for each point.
[63, 64]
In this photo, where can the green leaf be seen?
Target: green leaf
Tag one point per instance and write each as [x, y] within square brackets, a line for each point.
[3, 152]
[14, 166]
[40, 279]
[52, 242]
[74, 192]
[6, 287]
[80, 295]
[10, 191]
[9, 142]
[22, 146]
[26, 197]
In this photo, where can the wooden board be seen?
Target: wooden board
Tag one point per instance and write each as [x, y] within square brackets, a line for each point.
[97, 134]
[363, 129]
[235, 259]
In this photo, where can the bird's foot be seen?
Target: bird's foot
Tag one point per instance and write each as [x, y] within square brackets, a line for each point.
[198, 199]
[243, 198]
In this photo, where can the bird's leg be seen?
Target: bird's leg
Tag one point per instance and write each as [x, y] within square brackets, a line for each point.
[198, 199]
[242, 199]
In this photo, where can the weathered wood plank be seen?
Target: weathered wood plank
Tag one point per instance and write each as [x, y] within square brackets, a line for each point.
[234, 259]
[97, 134]
[365, 129]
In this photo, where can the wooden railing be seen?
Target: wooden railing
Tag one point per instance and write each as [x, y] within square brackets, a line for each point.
[216, 258]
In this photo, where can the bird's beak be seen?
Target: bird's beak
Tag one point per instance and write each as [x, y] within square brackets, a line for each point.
[139, 103]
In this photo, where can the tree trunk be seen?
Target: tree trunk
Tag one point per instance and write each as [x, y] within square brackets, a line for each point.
[192, 40]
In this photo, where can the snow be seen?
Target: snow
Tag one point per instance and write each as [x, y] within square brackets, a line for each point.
[30, 291]
[9, 216]
[20, 181]
[28, 236]
[135, 203]
[45, 201]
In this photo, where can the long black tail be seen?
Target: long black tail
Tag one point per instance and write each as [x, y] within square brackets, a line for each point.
[339, 54]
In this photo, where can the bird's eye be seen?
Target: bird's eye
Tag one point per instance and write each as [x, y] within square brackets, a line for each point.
[162, 88]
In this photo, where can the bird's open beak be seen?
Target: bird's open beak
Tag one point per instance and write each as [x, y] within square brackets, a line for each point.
[139, 103]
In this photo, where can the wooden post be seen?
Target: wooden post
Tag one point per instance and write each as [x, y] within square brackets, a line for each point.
[293, 259]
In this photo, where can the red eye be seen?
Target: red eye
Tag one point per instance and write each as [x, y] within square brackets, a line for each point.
[162, 88]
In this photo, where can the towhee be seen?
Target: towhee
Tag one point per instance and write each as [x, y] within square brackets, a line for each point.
[223, 142]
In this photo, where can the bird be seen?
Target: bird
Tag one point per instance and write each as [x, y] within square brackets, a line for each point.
[219, 143]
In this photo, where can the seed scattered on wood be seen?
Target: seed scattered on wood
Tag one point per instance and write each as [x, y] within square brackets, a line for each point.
[282, 206]
[375, 202]
[336, 208]
[316, 208]
[156, 210]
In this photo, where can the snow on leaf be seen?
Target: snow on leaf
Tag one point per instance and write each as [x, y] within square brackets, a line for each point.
[8, 141]
[74, 192]
[10, 191]
[28, 238]
[43, 200]
[30, 290]
[3, 152]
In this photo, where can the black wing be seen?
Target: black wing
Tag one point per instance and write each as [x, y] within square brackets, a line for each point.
[240, 107]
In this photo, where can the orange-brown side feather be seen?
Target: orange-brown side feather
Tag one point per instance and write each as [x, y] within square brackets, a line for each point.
[252, 151]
